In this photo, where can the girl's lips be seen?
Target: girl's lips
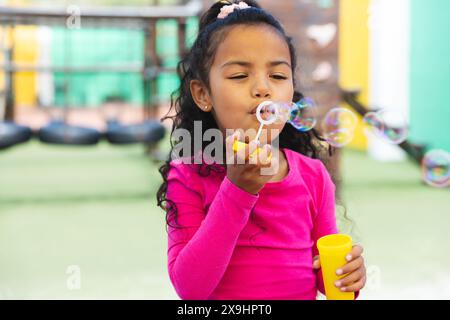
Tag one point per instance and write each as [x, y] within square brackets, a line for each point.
[254, 110]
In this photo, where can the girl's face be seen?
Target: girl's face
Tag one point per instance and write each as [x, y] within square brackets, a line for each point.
[251, 65]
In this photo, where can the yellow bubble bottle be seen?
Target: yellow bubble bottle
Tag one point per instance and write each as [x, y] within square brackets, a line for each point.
[332, 250]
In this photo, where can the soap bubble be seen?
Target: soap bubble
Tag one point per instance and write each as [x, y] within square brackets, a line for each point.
[436, 168]
[303, 115]
[395, 127]
[284, 111]
[339, 127]
[373, 124]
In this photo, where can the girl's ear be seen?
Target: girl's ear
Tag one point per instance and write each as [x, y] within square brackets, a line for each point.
[200, 95]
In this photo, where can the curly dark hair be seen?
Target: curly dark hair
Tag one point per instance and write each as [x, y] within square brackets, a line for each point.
[196, 65]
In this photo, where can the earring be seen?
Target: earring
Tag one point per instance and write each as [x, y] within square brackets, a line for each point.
[206, 107]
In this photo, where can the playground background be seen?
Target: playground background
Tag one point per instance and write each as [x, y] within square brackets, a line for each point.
[93, 209]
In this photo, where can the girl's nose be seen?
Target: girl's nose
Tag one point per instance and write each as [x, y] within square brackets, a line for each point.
[261, 88]
[262, 94]
[261, 91]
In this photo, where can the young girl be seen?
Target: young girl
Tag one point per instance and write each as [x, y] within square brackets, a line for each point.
[235, 233]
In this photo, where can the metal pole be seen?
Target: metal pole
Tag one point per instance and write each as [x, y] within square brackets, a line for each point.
[151, 63]
[9, 80]
[181, 37]
[145, 75]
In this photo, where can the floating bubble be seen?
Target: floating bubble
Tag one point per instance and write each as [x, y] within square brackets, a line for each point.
[373, 124]
[284, 112]
[303, 115]
[395, 128]
[436, 168]
[339, 127]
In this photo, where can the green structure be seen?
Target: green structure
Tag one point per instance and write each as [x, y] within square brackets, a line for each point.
[112, 47]
[430, 73]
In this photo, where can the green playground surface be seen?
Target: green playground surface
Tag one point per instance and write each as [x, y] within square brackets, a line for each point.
[94, 208]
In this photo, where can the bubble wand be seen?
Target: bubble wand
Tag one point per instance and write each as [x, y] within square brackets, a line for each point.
[263, 108]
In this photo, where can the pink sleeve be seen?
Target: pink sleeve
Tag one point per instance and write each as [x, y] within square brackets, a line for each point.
[325, 219]
[199, 252]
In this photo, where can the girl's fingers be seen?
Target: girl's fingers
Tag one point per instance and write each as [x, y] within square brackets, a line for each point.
[243, 153]
[351, 266]
[356, 252]
[251, 154]
[351, 278]
[252, 148]
[316, 262]
[265, 155]
[262, 155]
[357, 286]
[229, 141]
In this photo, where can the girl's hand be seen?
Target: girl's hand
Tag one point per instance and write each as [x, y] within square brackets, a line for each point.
[355, 270]
[247, 176]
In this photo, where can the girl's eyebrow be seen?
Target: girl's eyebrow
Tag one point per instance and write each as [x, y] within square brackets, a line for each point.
[249, 64]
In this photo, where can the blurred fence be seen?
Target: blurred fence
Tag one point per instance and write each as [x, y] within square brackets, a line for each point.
[87, 56]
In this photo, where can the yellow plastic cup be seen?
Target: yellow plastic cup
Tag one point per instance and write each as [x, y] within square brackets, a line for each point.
[332, 251]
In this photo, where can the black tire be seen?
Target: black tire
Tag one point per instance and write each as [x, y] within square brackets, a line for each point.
[12, 134]
[58, 132]
[149, 132]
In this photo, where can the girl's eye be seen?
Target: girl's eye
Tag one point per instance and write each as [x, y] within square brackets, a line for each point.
[279, 77]
[242, 76]
[275, 76]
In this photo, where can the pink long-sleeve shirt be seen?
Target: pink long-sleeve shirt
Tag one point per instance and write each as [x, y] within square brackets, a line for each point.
[240, 246]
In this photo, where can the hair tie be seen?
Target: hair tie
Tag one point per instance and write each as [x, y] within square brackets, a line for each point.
[226, 10]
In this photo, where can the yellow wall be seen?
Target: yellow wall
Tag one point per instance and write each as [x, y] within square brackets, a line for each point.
[2, 74]
[6, 38]
[354, 54]
[25, 52]
[25, 43]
